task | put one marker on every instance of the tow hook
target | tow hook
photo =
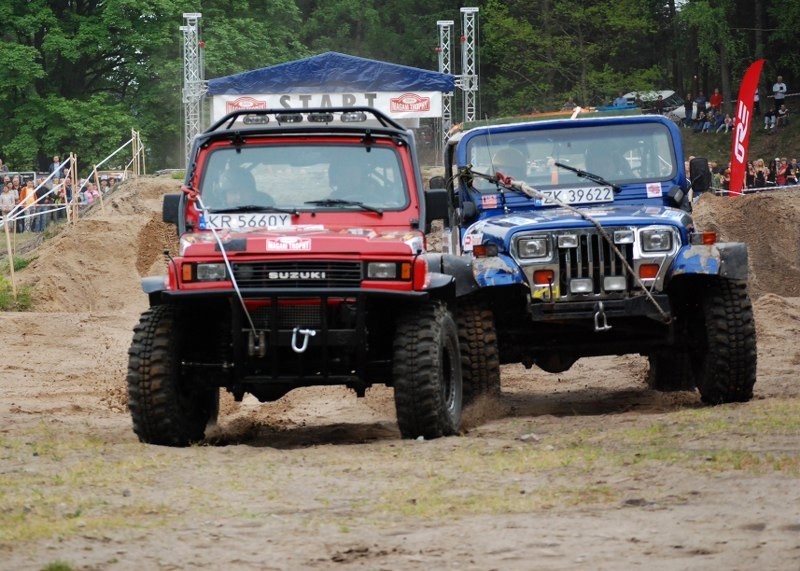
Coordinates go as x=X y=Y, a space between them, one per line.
x=306 y=333
x=600 y=316
x=257 y=344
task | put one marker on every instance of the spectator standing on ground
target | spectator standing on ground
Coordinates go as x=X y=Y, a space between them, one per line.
x=750 y=175
x=716 y=101
x=780 y=174
x=761 y=174
x=773 y=170
x=7 y=201
x=3 y=167
x=620 y=101
x=569 y=105
x=54 y=166
x=659 y=105
x=27 y=198
x=700 y=102
x=688 y=112
x=779 y=91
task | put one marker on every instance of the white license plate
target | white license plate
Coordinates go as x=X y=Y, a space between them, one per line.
x=580 y=195
x=222 y=221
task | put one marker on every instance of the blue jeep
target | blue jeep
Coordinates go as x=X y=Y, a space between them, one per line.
x=574 y=238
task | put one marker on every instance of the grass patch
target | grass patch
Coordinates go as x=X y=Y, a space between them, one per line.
x=8 y=302
x=58 y=566
x=178 y=175
x=20 y=263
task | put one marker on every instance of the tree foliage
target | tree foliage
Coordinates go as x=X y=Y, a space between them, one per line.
x=77 y=75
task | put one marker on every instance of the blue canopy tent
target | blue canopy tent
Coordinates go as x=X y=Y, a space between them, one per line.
x=334 y=79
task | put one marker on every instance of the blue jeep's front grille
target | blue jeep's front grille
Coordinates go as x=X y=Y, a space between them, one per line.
x=593 y=259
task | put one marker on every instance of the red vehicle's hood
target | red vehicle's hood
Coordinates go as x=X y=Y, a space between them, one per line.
x=305 y=239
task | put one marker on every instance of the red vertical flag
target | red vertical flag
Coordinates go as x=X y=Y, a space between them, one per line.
x=744 y=120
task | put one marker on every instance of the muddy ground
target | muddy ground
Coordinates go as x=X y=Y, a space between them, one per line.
x=586 y=469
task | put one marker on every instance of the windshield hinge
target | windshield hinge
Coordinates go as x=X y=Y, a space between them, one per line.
x=367 y=140
x=238 y=140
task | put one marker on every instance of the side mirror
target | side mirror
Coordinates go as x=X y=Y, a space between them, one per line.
x=679 y=199
x=437 y=182
x=170 y=211
x=699 y=175
x=436 y=205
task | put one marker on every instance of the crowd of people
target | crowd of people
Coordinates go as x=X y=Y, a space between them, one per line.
x=760 y=174
x=33 y=208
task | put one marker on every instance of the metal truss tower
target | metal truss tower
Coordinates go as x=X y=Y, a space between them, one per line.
x=445 y=33
x=469 y=67
x=194 y=86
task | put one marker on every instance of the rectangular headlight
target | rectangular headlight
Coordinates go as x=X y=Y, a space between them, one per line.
x=568 y=241
x=211 y=272
x=533 y=247
x=381 y=270
x=614 y=283
x=623 y=236
x=581 y=285
x=656 y=240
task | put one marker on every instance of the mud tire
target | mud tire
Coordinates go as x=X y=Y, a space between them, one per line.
x=427 y=373
x=165 y=407
x=724 y=359
x=670 y=372
x=480 y=357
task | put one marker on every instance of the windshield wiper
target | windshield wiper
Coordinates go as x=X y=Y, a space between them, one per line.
x=261 y=207
x=339 y=202
x=591 y=176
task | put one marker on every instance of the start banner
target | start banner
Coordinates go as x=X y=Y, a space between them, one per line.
x=398 y=105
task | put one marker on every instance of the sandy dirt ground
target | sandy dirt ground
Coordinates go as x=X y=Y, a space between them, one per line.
x=586 y=469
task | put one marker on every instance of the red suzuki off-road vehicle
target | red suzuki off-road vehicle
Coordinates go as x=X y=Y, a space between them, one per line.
x=302 y=262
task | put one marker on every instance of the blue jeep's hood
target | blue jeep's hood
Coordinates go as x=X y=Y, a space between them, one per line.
x=498 y=229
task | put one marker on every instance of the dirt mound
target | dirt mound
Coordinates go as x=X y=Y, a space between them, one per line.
x=96 y=264
x=767 y=223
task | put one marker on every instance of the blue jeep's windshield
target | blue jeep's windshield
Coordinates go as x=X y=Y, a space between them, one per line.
x=632 y=153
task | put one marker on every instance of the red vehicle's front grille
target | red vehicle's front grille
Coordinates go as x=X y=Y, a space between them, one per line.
x=311 y=274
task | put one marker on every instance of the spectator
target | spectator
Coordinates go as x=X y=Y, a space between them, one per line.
x=7 y=201
x=3 y=167
x=773 y=170
x=15 y=187
x=658 y=106
x=716 y=101
x=688 y=111
x=568 y=106
x=620 y=101
x=782 y=118
x=55 y=165
x=727 y=123
x=769 y=119
x=791 y=172
x=762 y=174
x=796 y=172
x=700 y=102
x=750 y=175
x=698 y=123
x=104 y=185
x=780 y=174
x=27 y=198
x=45 y=200
x=779 y=91
x=708 y=121
x=725 y=181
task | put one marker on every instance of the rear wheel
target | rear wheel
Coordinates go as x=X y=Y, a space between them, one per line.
x=427 y=373
x=724 y=354
x=166 y=407
x=480 y=357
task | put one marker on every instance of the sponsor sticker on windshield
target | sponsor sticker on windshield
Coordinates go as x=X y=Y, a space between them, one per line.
x=222 y=221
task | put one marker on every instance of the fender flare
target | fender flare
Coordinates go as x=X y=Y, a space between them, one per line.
x=727 y=260
x=153 y=286
x=459 y=268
